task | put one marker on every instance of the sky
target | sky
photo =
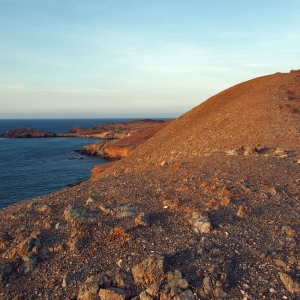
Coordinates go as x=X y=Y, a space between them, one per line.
x=137 y=58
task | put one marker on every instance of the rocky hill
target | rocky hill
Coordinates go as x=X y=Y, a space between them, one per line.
x=261 y=115
x=208 y=208
x=120 y=148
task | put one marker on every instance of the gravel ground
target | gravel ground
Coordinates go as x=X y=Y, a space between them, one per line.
x=252 y=204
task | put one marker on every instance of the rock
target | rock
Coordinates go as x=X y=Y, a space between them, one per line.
x=208 y=283
x=106 y=209
x=186 y=295
x=219 y=294
x=244 y=212
x=102 y=279
x=176 y=283
x=114 y=294
x=121 y=278
x=58 y=225
x=142 y=219
x=200 y=222
x=89 y=291
x=89 y=201
x=76 y=213
x=67 y=280
x=152 y=292
x=29 y=264
x=5 y=271
x=149 y=271
x=250 y=150
x=27 y=133
x=77 y=244
x=288 y=231
x=174 y=287
x=30 y=245
x=124 y=210
x=231 y=152
x=291 y=285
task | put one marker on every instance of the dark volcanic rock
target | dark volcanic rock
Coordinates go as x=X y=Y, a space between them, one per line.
x=27 y=133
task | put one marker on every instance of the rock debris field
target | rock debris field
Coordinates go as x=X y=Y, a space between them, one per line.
x=207 y=208
x=211 y=228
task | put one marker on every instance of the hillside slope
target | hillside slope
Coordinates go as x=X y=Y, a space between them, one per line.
x=263 y=112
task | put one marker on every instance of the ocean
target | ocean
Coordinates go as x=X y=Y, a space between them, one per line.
x=32 y=167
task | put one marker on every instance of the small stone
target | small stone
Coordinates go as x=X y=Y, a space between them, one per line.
x=201 y=223
x=183 y=283
x=288 y=231
x=231 y=152
x=280 y=263
x=207 y=285
x=272 y=290
x=244 y=212
x=105 y=208
x=120 y=263
x=291 y=285
x=29 y=264
x=58 y=225
x=67 y=279
x=142 y=219
x=219 y=293
x=272 y=191
x=89 y=201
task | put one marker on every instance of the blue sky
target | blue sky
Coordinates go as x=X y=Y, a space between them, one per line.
x=122 y=58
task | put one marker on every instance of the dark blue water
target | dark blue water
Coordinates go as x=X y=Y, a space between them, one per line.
x=33 y=167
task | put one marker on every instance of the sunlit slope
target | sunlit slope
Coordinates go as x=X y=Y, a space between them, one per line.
x=263 y=111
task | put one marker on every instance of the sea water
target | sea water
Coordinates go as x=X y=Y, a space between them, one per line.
x=30 y=167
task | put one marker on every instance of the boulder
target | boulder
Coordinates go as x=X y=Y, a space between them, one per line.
x=150 y=270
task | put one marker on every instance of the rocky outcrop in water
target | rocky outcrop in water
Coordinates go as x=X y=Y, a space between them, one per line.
x=28 y=133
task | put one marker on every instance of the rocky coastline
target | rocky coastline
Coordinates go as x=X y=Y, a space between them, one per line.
x=120 y=138
x=107 y=131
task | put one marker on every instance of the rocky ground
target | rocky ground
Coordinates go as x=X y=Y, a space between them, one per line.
x=207 y=208
x=217 y=227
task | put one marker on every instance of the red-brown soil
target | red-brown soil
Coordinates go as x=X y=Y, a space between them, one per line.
x=120 y=148
x=233 y=161
x=263 y=112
